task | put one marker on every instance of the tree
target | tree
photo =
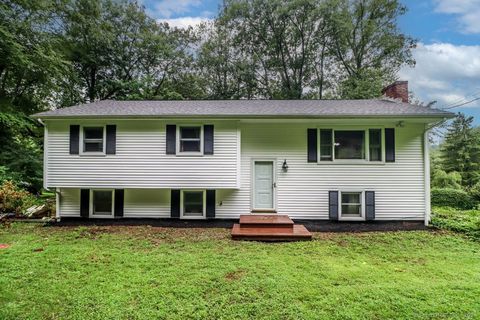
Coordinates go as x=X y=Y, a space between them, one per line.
x=282 y=40
x=368 y=45
x=460 y=151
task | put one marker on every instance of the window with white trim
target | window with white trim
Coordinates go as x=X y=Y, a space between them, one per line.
x=193 y=203
x=351 y=205
x=349 y=144
x=102 y=202
x=190 y=139
x=346 y=145
x=375 y=144
x=93 y=139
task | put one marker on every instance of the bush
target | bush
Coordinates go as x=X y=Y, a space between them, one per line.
x=454 y=198
x=14 y=199
x=467 y=222
x=441 y=179
x=475 y=192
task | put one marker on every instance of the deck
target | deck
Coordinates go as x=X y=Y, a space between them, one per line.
x=269 y=228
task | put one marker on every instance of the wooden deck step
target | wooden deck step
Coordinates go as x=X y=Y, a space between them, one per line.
x=296 y=233
x=266 y=221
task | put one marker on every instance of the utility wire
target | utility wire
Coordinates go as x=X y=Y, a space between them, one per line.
x=461 y=100
x=462 y=104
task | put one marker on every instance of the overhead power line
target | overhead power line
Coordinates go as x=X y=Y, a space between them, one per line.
x=461 y=104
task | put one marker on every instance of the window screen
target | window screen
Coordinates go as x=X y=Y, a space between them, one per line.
x=193 y=203
x=375 y=144
x=93 y=139
x=102 y=202
x=326 y=145
x=349 y=144
x=190 y=139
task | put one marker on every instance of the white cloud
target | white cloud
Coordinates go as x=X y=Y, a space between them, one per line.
x=167 y=8
x=467 y=12
x=444 y=72
x=184 y=22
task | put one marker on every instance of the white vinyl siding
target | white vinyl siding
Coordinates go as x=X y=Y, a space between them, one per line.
x=69 y=203
x=141 y=160
x=302 y=192
x=147 y=203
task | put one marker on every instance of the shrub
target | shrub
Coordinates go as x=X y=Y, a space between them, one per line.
x=14 y=199
x=441 y=179
x=467 y=222
x=475 y=192
x=447 y=197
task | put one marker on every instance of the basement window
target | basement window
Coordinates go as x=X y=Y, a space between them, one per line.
x=193 y=204
x=101 y=203
x=93 y=139
x=351 y=205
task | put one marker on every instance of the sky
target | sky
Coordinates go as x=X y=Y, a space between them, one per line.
x=447 y=55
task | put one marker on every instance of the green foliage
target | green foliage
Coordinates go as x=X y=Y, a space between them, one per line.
x=14 y=199
x=475 y=192
x=451 y=180
x=467 y=222
x=452 y=198
x=139 y=272
x=460 y=151
x=364 y=84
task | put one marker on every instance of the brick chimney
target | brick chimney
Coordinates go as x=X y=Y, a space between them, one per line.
x=397 y=90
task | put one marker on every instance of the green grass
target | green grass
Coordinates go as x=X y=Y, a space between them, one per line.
x=463 y=221
x=165 y=273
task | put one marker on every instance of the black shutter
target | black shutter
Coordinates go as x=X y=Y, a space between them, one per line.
x=370 y=205
x=111 y=146
x=389 y=144
x=84 y=203
x=119 y=198
x=333 y=205
x=171 y=138
x=175 y=204
x=312 y=145
x=208 y=139
x=74 y=139
x=210 y=204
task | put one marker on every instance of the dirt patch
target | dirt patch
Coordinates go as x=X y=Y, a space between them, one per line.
x=38 y=250
x=4 y=246
x=235 y=275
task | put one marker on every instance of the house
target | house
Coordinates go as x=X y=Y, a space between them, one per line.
x=347 y=160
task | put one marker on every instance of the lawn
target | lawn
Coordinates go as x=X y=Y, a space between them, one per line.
x=146 y=272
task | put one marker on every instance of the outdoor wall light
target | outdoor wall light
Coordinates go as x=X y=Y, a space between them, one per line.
x=285 y=166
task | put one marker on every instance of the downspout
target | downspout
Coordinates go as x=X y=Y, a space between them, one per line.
x=426 y=171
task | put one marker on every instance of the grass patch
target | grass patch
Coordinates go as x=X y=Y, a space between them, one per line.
x=144 y=272
x=463 y=221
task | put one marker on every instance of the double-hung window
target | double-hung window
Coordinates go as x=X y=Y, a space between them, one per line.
x=93 y=139
x=351 y=206
x=190 y=139
x=350 y=145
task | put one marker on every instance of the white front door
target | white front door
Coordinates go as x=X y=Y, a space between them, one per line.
x=263 y=196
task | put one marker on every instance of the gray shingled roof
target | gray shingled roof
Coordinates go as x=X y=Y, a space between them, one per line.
x=245 y=109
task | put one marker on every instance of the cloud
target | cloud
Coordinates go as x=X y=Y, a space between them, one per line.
x=168 y=8
x=184 y=22
x=445 y=72
x=467 y=12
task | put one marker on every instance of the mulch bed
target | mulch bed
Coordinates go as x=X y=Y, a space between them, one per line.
x=311 y=225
